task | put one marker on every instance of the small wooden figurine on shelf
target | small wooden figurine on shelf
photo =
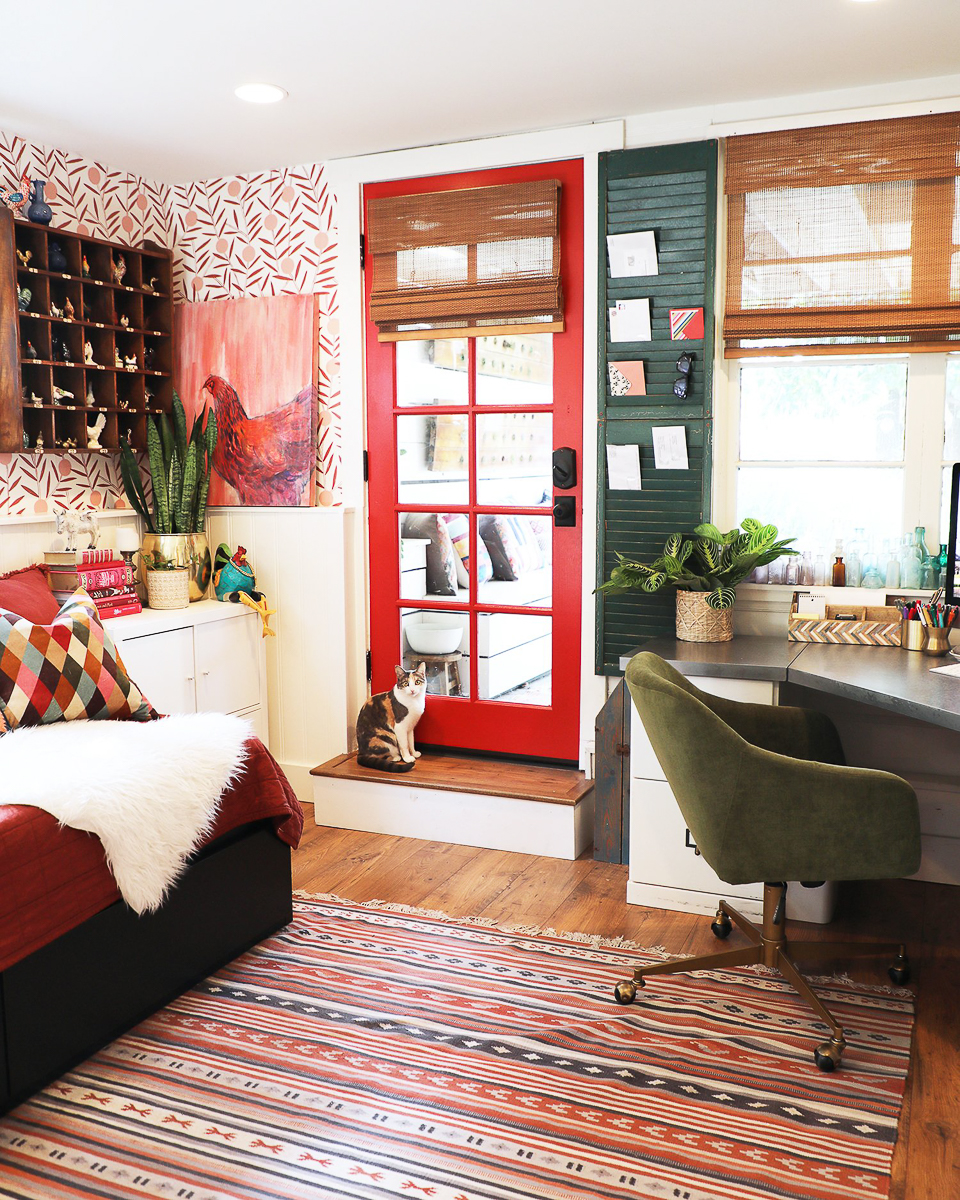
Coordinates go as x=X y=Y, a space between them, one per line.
x=68 y=310
x=88 y=354
x=24 y=296
x=94 y=431
x=152 y=285
x=89 y=399
x=124 y=321
x=119 y=268
x=56 y=312
x=24 y=257
x=85 y=267
x=29 y=351
x=39 y=442
x=130 y=362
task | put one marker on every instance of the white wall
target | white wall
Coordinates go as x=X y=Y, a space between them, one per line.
x=297 y=555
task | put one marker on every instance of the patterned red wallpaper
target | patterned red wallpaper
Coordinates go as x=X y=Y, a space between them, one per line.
x=262 y=234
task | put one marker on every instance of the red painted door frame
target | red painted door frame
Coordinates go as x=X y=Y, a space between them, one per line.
x=474 y=724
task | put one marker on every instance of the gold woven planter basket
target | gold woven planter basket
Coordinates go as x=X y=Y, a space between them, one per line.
x=168 y=589
x=698 y=622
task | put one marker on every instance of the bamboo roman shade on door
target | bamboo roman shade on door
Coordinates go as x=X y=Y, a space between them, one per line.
x=844 y=234
x=473 y=260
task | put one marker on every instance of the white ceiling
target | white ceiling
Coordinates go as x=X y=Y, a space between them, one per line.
x=149 y=86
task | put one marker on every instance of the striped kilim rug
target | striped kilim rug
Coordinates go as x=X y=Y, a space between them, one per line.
x=366 y=1052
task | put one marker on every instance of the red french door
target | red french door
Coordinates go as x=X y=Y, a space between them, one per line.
x=472 y=570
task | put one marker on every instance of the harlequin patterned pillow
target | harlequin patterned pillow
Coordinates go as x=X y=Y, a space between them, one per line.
x=66 y=671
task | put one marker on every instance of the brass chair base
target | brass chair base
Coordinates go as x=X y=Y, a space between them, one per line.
x=772 y=948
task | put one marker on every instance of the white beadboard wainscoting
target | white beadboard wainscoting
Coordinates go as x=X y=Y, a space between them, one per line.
x=297 y=555
x=23 y=540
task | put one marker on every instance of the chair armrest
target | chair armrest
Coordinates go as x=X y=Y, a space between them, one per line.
x=792 y=819
x=794 y=732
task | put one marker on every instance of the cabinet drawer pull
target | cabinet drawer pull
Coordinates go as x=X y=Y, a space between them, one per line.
x=690 y=843
x=204 y=672
x=189 y=679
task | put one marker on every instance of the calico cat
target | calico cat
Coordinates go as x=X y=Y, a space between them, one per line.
x=386 y=723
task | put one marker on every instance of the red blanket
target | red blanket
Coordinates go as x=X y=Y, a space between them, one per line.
x=53 y=879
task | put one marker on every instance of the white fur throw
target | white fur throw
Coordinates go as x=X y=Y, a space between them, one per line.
x=148 y=790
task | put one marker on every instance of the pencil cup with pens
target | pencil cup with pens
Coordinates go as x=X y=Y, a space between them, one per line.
x=927 y=627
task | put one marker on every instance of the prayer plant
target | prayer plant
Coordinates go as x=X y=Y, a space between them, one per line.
x=710 y=561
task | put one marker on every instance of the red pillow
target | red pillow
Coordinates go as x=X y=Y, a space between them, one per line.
x=27 y=593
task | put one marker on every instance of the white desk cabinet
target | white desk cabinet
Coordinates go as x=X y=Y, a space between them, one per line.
x=665 y=869
x=205 y=658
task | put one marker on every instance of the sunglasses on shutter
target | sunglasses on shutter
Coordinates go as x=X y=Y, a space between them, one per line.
x=681 y=385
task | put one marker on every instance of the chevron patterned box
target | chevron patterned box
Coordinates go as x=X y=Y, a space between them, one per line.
x=851 y=625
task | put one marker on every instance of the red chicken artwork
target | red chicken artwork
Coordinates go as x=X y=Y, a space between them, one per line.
x=267 y=459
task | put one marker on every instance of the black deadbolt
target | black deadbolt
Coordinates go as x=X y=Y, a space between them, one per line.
x=564 y=468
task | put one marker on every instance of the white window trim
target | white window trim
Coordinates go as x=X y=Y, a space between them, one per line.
x=923 y=459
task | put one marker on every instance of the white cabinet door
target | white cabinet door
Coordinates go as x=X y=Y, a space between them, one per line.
x=161 y=665
x=662 y=850
x=228 y=664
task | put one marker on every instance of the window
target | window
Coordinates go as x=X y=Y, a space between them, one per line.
x=822 y=447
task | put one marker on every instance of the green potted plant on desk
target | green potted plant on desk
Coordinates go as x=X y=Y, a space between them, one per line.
x=705 y=570
x=180 y=469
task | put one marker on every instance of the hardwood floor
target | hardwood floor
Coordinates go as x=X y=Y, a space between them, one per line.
x=588 y=896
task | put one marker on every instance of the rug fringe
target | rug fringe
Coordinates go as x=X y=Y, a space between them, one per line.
x=595 y=940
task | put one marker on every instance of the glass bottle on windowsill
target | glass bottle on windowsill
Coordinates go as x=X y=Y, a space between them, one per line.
x=791 y=572
x=806 y=568
x=894 y=569
x=839 y=571
x=819 y=571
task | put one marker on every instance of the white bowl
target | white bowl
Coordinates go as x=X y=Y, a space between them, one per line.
x=427 y=638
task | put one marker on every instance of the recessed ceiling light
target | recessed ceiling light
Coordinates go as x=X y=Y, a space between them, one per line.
x=260 y=93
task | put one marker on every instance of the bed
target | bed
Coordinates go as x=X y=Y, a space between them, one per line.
x=78 y=967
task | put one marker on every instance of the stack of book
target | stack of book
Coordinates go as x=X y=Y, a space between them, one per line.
x=107 y=578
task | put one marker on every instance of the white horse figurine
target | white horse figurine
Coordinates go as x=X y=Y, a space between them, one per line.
x=73 y=523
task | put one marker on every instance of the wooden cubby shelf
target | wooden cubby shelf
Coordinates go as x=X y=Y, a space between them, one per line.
x=128 y=319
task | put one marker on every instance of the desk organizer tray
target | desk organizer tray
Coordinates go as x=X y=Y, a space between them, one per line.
x=847 y=625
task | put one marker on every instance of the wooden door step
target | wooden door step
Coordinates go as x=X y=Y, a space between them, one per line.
x=495 y=803
x=466 y=773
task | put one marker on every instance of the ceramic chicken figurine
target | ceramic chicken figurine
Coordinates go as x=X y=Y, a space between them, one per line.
x=68 y=309
x=94 y=431
x=88 y=352
x=16 y=198
x=56 y=312
x=234 y=580
x=124 y=321
x=30 y=351
x=89 y=399
x=119 y=269
x=130 y=362
x=85 y=267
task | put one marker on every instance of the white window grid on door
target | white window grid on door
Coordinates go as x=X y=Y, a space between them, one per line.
x=923 y=456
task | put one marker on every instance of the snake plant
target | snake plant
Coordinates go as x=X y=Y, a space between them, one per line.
x=710 y=561
x=180 y=469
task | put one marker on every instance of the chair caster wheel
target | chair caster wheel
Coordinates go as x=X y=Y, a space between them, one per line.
x=626 y=990
x=721 y=925
x=829 y=1055
x=899 y=972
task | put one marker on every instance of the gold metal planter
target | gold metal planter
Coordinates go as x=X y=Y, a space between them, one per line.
x=184 y=550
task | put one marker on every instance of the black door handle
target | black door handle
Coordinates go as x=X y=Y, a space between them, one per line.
x=564 y=468
x=564 y=511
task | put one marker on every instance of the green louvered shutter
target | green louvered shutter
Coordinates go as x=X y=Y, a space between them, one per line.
x=673 y=191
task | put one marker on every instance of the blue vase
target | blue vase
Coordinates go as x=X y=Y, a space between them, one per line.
x=56 y=259
x=39 y=211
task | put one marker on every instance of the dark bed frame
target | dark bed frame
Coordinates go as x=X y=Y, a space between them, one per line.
x=66 y=1000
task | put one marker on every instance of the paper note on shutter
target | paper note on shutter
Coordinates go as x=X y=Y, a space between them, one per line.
x=632 y=254
x=623 y=469
x=670 y=448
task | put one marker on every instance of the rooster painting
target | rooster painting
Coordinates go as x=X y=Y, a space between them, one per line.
x=268 y=459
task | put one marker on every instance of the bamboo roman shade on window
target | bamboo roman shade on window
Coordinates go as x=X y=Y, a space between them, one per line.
x=472 y=260
x=844 y=234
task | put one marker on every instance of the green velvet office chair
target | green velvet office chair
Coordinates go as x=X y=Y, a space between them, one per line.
x=767 y=798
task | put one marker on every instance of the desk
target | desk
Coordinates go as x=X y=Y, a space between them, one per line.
x=892 y=711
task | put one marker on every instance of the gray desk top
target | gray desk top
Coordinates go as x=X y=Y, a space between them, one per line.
x=900 y=681
x=741 y=658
